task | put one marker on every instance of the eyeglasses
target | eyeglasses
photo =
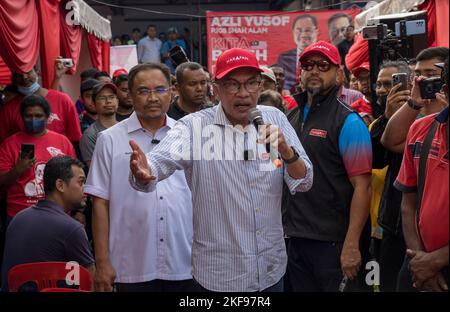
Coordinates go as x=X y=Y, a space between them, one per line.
x=146 y=92
x=234 y=86
x=308 y=65
x=104 y=98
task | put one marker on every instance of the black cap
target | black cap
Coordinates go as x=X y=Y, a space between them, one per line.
x=88 y=84
x=102 y=85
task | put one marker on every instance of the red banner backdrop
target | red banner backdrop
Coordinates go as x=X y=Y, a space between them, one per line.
x=275 y=37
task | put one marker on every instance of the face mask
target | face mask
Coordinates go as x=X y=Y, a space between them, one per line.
x=29 y=90
x=35 y=126
x=382 y=99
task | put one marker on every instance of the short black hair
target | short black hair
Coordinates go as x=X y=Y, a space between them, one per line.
x=119 y=79
x=339 y=15
x=440 y=53
x=136 y=29
x=152 y=25
x=88 y=73
x=303 y=16
x=101 y=74
x=59 y=167
x=32 y=101
x=147 y=66
x=179 y=71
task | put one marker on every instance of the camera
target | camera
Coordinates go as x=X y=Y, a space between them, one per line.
x=67 y=62
x=178 y=56
x=429 y=87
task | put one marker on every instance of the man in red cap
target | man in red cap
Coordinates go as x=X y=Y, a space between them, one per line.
x=324 y=225
x=362 y=105
x=238 y=242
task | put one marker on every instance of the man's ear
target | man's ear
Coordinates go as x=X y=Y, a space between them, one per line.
x=60 y=185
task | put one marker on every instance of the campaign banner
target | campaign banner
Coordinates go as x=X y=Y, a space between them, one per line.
x=275 y=37
x=123 y=56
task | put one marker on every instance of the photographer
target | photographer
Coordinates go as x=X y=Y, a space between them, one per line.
x=397 y=128
x=391 y=248
x=423 y=179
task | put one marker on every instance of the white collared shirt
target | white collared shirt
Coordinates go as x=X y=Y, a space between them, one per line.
x=238 y=238
x=150 y=234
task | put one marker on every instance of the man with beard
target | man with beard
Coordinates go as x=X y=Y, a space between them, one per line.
x=105 y=99
x=363 y=105
x=192 y=87
x=125 y=108
x=325 y=224
x=304 y=31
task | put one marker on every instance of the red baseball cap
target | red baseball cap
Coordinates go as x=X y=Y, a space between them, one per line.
x=324 y=48
x=233 y=59
x=364 y=66
x=120 y=71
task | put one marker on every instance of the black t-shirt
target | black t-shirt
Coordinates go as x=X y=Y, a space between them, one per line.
x=175 y=112
x=120 y=117
x=44 y=233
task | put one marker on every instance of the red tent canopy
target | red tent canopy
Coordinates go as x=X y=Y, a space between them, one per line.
x=32 y=28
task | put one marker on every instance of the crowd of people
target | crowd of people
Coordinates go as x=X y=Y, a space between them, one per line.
x=166 y=178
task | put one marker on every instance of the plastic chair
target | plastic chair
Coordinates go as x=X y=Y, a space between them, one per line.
x=45 y=275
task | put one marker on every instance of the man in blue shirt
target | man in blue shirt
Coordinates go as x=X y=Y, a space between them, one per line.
x=172 y=41
x=46 y=232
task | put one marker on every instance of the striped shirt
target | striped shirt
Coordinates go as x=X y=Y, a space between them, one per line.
x=238 y=235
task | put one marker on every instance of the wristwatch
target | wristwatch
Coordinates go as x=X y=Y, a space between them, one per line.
x=293 y=158
x=413 y=104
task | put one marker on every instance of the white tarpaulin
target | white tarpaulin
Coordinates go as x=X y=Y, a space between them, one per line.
x=124 y=56
x=384 y=8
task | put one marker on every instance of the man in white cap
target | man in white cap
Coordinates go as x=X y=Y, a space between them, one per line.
x=238 y=235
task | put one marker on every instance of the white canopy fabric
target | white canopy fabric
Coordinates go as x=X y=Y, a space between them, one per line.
x=89 y=19
x=384 y=8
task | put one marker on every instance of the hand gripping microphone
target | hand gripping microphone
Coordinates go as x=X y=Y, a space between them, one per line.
x=255 y=117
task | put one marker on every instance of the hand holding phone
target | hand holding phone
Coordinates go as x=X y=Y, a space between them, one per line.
x=400 y=78
x=26 y=158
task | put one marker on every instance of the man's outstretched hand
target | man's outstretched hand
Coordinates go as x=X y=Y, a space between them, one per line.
x=139 y=166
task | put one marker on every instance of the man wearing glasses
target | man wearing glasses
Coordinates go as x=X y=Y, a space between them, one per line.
x=325 y=223
x=238 y=240
x=142 y=240
x=106 y=104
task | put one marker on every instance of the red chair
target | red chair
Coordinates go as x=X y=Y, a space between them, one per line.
x=45 y=275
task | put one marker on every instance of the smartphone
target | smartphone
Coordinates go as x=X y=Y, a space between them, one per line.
x=429 y=87
x=27 y=150
x=67 y=62
x=401 y=78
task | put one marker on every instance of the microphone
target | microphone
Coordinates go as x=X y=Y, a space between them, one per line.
x=155 y=141
x=255 y=117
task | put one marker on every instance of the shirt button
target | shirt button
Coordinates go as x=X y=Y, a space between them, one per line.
x=161 y=240
x=161 y=218
x=161 y=197
x=258 y=232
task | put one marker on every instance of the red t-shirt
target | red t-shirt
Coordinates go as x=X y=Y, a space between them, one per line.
x=434 y=224
x=63 y=117
x=362 y=106
x=290 y=102
x=29 y=188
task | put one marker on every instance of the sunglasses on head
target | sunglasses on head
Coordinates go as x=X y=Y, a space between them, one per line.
x=308 y=65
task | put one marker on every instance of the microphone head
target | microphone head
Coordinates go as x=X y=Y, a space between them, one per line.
x=254 y=114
